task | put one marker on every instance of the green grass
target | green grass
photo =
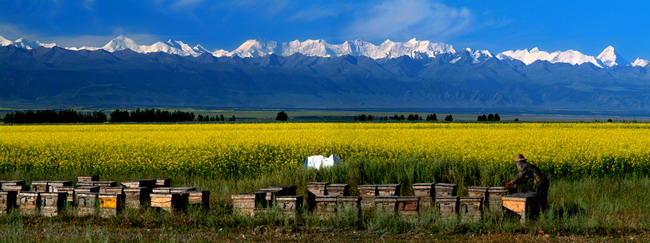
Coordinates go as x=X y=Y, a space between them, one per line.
x=584 y=206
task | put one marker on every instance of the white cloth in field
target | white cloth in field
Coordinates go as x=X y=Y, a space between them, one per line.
x=319 y=161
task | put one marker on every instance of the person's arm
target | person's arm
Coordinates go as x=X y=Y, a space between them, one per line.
x=522 y=176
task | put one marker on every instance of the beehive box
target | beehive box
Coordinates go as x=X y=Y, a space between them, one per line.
x=52 y=203
x=408 y=205
x=471 y=207
x=110 y=205
x=39 y=186
x=87 y=178
x=170 y=202
x=338 y=189
x=12 y=183
x=29 y=203
x=286 y=190
x=52 y=185
x=246 y=203
x=448 y=206
x=426 y=193
x=388 y=190
x=136 y=197
x=87 y=203
x=523 y=204
x=325 y=205
x=445 y=190
x=7 y=201
x=270 y=195
x=114 y=190
x=163 y=182
x=69 y=190
x=172 y=189
x=317 y=188
x=199 y=198
x=479 y=191
x=495 y=194
x=348 y=202
x=423 y=190
x=289 y=205
x=139 y=183
x=368 y=194
x=15 y=188
x=103 y=185
x=387 y=204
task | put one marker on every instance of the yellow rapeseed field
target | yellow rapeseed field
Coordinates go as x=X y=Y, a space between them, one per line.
x=223 y=149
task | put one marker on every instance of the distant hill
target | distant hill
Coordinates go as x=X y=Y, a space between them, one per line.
x=66 y=77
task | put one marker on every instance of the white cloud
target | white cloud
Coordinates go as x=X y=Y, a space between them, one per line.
x=405 y=19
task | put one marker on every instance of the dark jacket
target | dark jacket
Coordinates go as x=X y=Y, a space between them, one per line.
x=528 y=171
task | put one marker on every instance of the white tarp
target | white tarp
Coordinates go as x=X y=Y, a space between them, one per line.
x=319 y=161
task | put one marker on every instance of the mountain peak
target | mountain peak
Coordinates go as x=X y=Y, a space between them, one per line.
x=640 y=63
x=4 y=42
x=609 y=57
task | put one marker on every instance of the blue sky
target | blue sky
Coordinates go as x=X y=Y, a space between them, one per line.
x=496 y=25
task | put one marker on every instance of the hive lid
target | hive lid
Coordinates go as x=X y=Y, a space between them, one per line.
x=338 y=185
x=446 y=185
x=318 y=183
x=521 y=195
x=477 y=188
x=367 y=186
x=471 y=198
x=423 y=184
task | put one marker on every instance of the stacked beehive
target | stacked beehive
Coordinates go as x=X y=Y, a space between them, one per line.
x=282 y=197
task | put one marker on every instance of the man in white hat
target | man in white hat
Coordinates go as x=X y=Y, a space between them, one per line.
x=528 y=171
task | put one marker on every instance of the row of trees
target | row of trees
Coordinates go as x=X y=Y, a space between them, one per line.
x=489 y=117
x=50 y=116
x=151 y=115
x=410 y=117
x=215 y=118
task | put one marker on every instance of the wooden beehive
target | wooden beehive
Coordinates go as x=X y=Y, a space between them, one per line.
x=87 y=178
x=270 y=195
x=423 y=189
x=479 y=191
x=426 y=193
x=114 y=190
x=169 y=202
x=325 y=205
x=103 y=185
x=368 y=194
x=7 y=201
x=408 y=205
x=52 y=203
x=29 y=203
x=448 y=206
x=445 y=190
x=523 y=204
x=289 y=205
x=52 y=185
x=163 y=182
x=172 y=189
x=69 y=190
x=471 y=207
x=317 y=188
x=110 y=205
x=39 y=186
x=349 y=202
x=15 y=188
x=338 y=189
x=140 y=183
x=136 y=197
x=495 y=194
x=87 y=203
x=286 y=190
x=246 y=203
x=388 y=190
x=199 y=198
x=12 y=182
x=387 y=204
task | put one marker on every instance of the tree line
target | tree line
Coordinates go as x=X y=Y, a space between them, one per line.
x=489 y=117
x=50 y=116
x=410 y=117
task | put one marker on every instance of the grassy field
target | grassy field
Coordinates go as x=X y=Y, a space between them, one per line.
x=599 y=176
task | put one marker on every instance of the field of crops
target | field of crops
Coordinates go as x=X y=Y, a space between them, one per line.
x=217 y=150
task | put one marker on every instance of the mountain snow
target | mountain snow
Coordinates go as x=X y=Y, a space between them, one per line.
x=640 y=63
x=320 y=48
x=610 y=58
x=527 y=57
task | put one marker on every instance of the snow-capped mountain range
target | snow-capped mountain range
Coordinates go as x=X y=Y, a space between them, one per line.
x=388 y=49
